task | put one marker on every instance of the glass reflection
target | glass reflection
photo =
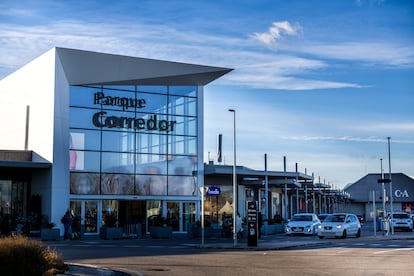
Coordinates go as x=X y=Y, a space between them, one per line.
x=117 y=184
x=150 y=185
x=84 y=183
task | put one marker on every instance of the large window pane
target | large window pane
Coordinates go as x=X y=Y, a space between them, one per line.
x=182 y=106
x=118 y=100
x=182 y=145
x=83 y=139
x=87 y=161
x=117 y=184
x=84 y=183
x=151 y=164
x=150 y=185
x=82 y=117
x=154 y=103
x=118 y=162
x=182 y=185
x=152 y=89
x=184 y=125
x=183 y=90
x=182 y=165
x=118 y=141
x=83 y=96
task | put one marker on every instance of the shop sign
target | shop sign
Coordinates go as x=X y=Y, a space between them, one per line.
x=213 y=191
x=101 y=119
x=399 y=193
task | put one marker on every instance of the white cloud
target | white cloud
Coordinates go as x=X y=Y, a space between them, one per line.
x=276 y=32
x=385 y=53
x=255 y=69
x=346 y=138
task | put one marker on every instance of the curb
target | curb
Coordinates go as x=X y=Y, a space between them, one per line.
x=76 y=269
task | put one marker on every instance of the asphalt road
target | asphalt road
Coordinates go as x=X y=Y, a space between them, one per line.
x=369 y=255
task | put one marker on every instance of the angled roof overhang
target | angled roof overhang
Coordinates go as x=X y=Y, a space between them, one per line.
x=92 y=68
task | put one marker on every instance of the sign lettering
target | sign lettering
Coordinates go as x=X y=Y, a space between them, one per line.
x=101 y=119
x=399 y=193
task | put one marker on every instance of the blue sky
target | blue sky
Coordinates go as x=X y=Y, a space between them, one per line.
x=320 y=82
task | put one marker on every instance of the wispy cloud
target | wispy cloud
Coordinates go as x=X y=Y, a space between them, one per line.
x=385 y=53
x=277 y=31
x=370 y=139
x=255 y=68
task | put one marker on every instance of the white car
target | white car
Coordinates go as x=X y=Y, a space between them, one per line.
x=306 y=223
x=401 y=220
x=340 y=225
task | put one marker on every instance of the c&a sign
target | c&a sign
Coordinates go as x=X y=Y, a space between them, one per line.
x=400 y=193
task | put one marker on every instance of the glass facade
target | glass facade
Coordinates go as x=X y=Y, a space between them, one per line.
x=133 y=140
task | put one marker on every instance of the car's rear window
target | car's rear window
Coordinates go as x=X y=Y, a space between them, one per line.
x=335 y=218
x=302 y=218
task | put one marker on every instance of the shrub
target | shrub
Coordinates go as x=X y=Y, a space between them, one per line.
x=21 y=256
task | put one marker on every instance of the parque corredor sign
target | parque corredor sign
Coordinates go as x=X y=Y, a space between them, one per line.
x=101 y=119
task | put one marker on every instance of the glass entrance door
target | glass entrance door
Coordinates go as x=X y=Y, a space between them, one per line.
x=173 y=215
x=91 y=217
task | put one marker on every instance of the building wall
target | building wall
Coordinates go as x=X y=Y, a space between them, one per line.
x=33 y=85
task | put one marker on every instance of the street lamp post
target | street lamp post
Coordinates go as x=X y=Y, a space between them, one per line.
x=234 y=180
x=391 y=192
x=384 y=212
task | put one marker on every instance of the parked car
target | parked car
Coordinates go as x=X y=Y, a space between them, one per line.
x=306 y=223
x=361 y=219
x=340 y=225
x=322 y=217
x=401 y=220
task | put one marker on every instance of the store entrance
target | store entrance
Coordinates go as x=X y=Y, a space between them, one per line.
x=90 y=215
x=132 y=213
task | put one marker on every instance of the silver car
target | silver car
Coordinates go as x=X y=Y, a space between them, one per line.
x=401 y=220
x=306 y=223
x=340 y=225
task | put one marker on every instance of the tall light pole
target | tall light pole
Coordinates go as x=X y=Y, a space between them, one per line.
x=266 y=215
x=389 y=176
x=384 y=212
x=234 y=180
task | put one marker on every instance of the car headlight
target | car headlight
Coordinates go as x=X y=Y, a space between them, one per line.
x=319 y=226
x=339 y=226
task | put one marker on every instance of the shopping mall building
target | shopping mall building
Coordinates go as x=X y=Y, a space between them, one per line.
x=109 y=136
x=103 y=134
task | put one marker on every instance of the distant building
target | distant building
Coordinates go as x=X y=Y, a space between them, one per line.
x=362 y=196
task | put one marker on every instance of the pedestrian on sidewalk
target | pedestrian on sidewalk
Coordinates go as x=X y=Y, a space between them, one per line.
x=67 y=223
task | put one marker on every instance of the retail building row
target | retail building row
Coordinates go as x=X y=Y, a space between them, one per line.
x=109 y=136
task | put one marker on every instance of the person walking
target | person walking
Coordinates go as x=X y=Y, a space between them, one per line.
x=239 y=226
x=67 y=223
